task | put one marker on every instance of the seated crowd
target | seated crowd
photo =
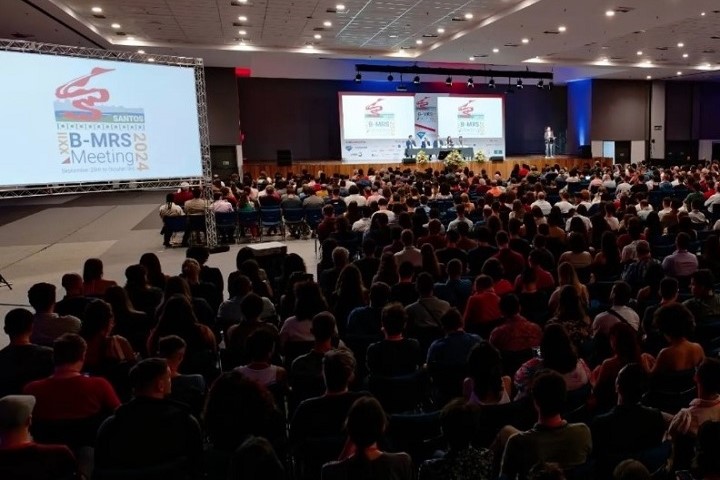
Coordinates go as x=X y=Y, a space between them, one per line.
x=552 y=325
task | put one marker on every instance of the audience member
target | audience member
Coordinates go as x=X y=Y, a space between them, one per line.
x=395 y=355
x=48 y=325
x=22 y=361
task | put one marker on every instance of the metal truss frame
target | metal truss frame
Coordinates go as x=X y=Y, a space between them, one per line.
x=134 y=57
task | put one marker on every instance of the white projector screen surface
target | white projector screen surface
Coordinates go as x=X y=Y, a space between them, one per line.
x=71 y=120
x=377 y=116
x=470 y=117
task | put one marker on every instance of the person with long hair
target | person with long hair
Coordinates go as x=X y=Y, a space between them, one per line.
x=237 y=408
x=606 y=264
x=348 y=295
x=567 y=276
x=494 y=269
x=293 y=270
x=361 y=458
x=626 y=349
x=251 y=269
x=142 y=295
x=153 y=269
x=94 y=285
x=577 y=254
x=103 y=348
x=557 y=353
x=201 y=308
x=129 y=322
x=178 y=318
x=309 y=301
x=388 y=271
x=485 y=383
x=572 y=314
x=430 y=262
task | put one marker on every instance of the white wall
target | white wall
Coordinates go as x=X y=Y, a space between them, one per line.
x=657 y=119
x=705 y=149
x=637 y=151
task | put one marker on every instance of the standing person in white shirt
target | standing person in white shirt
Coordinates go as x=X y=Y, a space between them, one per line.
x=543 y=204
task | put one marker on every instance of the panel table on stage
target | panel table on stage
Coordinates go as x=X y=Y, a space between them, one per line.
x=467 y=152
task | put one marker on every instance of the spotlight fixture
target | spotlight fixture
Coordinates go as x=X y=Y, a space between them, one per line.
x=448 y=81
x=390 y=77
x=509 y=87
x=540 y=83
x=491 y=83
x=141 y=52
x=519 y=84
x=416 y=80
x=550 y=85
x=649 y=77
x=358 y=77
x=471 y=83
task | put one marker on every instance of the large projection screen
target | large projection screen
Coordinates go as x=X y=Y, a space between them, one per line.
x=72 y=120
x=373 y=126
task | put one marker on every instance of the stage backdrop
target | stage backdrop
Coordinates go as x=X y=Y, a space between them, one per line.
x=377 y=128
x=303 y=115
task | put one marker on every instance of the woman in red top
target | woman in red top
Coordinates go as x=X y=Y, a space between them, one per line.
x=93 y=283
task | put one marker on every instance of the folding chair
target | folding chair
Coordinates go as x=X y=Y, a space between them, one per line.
x=174 y=224
x=249 y=220
x=313 y=217
x=225 y=224
x=294 y=218
x=271 y=218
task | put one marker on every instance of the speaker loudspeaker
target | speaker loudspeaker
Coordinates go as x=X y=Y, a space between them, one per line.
x=497 y=159
x=585 y=151
x=284 y=158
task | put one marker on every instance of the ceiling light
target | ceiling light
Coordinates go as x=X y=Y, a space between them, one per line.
x=679 y=73
x=491 y=83
x=242 y=18
x=441 y=30
x=327 y=23
x=358 y=77
x=116 y=26
x=96 y=9
x=707 y=65
x=242 y=1
x=317 y=36
x=418 y=41
x=639 y=52
x=610 y=13
x=540 y=83
x=519 y=84
x=702 y=14
x=141 y=52
x=392 y=36
x=390 y=77
x=468 y=16
x=525 y=40
x=448 y=81
x=649 y=77
x=151 y=60
x=310 y=46
x=416 y=80
x=130 y=39
x=496 y=50
x=242 y=32
x=340 y=7
x=681 y=45
x=471 y=83
x=685 y=55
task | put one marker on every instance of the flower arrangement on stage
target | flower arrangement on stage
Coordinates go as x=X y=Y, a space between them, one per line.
x=454 y=160
x=422 y=158
x=480 y=157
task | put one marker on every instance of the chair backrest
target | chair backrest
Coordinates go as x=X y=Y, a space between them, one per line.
x=226 y=219
x=248 y=218
x=177 y=470
x=270 y=215
x=294 y=215
x=175 y=224
x=313 y=217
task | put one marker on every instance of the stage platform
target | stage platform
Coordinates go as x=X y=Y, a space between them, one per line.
x=331 y=167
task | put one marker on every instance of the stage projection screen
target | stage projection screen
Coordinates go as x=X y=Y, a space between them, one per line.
x=373 y=126
x=77 y=120
x=479 y=120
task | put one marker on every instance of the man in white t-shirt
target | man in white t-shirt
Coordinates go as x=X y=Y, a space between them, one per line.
x=543 y=204
x=619 y=312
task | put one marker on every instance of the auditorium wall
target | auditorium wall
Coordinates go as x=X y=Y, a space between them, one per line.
x=303 y=115
x=222 y=106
